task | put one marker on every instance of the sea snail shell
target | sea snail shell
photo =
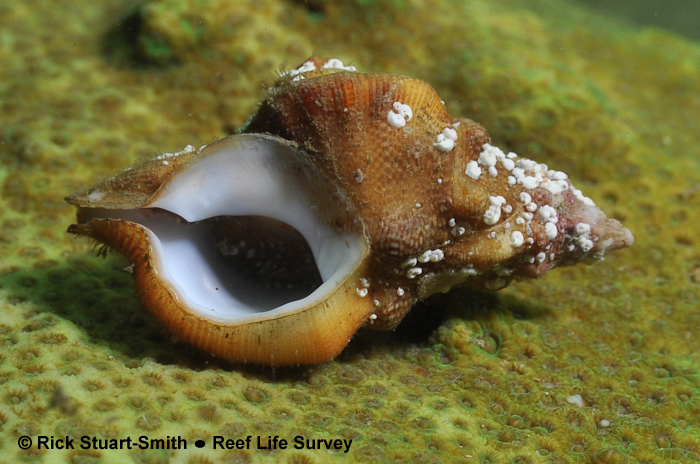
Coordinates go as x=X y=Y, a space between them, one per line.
x=349 y=197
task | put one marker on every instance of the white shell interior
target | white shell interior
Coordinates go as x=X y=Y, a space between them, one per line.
x=248 y=176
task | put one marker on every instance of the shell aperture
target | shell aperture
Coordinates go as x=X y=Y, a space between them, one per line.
x=232 y=191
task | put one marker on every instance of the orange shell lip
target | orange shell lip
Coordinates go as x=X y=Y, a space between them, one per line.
x=183 y=280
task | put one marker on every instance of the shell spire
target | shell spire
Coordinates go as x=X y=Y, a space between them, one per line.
x=442 y=207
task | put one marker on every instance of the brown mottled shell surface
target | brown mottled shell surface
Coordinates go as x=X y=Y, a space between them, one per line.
x=340 y=120
x=400 y=183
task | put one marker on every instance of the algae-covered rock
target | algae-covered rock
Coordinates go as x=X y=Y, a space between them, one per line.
x=586 y=365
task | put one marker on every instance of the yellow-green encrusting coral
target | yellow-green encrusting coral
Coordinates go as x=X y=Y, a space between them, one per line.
x=594 y=364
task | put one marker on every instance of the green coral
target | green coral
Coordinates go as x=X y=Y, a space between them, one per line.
x=467 y=377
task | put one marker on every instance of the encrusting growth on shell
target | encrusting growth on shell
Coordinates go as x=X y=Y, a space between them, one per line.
x=400 y=169
x=424 y=202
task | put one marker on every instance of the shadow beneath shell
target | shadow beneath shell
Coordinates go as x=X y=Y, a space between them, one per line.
x=97 y=295
x=419 y=329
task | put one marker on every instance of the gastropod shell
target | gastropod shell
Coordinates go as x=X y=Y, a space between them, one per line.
x=347 y=198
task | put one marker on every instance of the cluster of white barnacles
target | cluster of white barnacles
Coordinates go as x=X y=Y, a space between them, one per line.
x=334 y=63
x=414 y=271
x=400 y=115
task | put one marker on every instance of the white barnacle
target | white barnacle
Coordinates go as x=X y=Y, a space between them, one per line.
x=186 y=150
x=432 y=256
x=586 y=245
x=395 y=120
x=473 y=170
x=446 y=140
x=530 y=182
x=551 y=230
x=487 y=158
x=556 y=186
x=548 y=214
x=469 y=270
x=362 y=292
x=526 y=164
x=409 y=262
x=508 y=163
x=436 y=255
x=526 y=198
x=518 y=173
x=95 y=196
x=493 y=214
x=400 y=291
x=557 y=175
x=582 y=228
x=450 y=134
x=335 y=63
x=414 y=272
x=582 y=237
x=517 y=239
x=579 y=196
x=306 y=67
x=403 y=114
